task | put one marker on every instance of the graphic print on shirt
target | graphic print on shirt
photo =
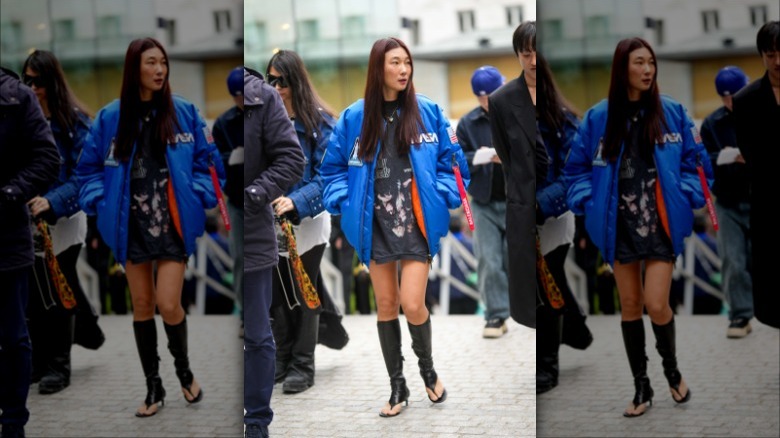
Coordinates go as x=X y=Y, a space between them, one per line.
x=637 y=199
x=393 y=204
x=149 y=194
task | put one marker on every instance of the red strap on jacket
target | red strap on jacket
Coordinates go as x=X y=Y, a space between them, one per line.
x=707 y=197
x=220 y=199
x=462 y=189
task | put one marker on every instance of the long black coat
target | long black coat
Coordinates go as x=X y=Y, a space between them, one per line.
x=513 y=124
x=29 y=164
x=756 y=113
x=273 y=162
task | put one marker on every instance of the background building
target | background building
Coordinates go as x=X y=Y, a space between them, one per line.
x=203 y=38
x=692 y=39
x=448 y=40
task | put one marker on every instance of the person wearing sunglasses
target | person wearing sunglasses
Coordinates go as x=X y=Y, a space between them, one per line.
x=51 y=323
x=296 y=326
x=389 y=171
x=145 y=172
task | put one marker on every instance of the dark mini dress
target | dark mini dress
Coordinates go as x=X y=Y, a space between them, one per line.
x=640 y=233
x=396 y=235
x=153 y=235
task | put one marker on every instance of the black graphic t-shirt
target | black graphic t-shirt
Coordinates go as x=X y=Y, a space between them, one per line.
x=640 y=233
x=153 y=235
x=396 y=235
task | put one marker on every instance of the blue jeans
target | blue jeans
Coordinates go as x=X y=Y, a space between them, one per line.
x=237 y=252
x=735 y=249
x=491 y=251
x=15 y=347
x=259 y=348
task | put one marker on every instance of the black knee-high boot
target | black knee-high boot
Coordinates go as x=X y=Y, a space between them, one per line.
x=666 y=346
x=634 y=341
x=423 y=347
x=300 y=372
x=548 y=342
x=146 y=341
x=57 y=376
x=390 y=341
x=177 y=345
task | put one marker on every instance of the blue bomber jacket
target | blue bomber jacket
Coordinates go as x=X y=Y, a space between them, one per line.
x=593 y=184
x=104 y=181
x=349 y=181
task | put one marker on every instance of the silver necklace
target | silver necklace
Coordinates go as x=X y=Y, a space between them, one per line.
x=391 y=117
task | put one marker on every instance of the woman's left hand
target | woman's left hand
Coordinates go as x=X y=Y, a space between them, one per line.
x=282 y=205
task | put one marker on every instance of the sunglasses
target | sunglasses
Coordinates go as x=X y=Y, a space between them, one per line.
x=33 y=80
x=277 y=80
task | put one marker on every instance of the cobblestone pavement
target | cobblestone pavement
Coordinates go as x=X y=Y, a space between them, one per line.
x=490 y=384
x=735 y=384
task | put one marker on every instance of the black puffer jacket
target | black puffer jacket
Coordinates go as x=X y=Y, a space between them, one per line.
x=29 y=164
x=273 y=163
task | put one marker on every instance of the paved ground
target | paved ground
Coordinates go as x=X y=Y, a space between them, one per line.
x=490 y=385
x=735 y=384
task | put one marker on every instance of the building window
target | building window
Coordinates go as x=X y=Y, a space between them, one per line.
x=757 y=15
x=659 y=32
x=222 y=20
x=710 y=20
x=170 y=31
x=11 y=36
x=414 y=29
x=353 y=26
x=552 y=30
x=109 y=26
x=64 y=30
x=308 y=30
x=255 y=36
x=514 y=15
x=466 y=21
x=597 y=26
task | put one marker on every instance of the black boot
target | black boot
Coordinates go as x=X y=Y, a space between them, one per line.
x=666 y=346
x=634 y=341
x=548 y=342
x=300 y=372
x=423 y=348
x=146 y=342
x=177 y=345
x=57 y=376
x=390 y=341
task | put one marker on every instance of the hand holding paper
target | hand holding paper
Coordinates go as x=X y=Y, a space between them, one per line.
x=727 y=155
x=483 y=155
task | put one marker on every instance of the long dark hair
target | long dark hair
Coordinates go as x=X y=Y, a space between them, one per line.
x=409 y=124
x=63 y=105
x=524 y=37
x=164 y=123
x=551 y=105
x=650 y=101
x=306 y=103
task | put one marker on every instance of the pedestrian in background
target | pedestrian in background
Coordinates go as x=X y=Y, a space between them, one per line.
x=274 y=162
x=756 y=112
x=555 y=224
x=51 y=321
x=515 y=143
x=229 y=138
x=389 y=172
x=732 y=192
x=488 y=203
x=29 y=165
x=144 y=172
x=295 y=325
x=633 y=174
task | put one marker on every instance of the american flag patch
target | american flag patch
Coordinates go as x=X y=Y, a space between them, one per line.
x=695 y=133
x=207 y=134
x=451 y=133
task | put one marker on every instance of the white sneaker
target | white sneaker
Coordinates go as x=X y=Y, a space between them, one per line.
x=494 y=328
